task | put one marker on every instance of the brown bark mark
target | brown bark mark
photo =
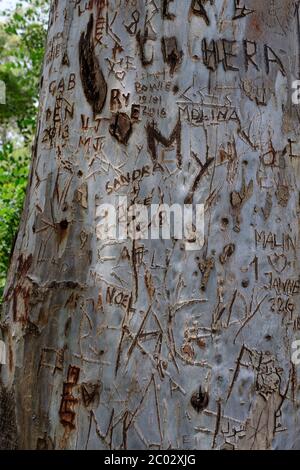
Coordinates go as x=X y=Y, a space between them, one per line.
x=228 y=251
x=166 y=13
x=142 y=39
x=204 y=167
x=92 y=78
x=121 y=128
x=200 y=400
x=172 y=55
x=198 y=9
x=241 y=11
x=66 y=412
x=153 y=135
x=91 y=394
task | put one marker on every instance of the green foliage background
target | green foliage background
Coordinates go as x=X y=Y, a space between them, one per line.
x=22 y=41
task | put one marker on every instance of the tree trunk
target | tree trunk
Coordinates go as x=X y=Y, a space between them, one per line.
x=145 y=344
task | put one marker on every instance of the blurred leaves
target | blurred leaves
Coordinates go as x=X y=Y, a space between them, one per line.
x=22 y=40
x=13 y=182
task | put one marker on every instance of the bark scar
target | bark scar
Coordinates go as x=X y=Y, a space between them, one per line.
x=92 y=78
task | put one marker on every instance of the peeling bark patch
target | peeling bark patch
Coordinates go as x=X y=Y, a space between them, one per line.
x=20 y=304
x=172 y=55
x=24 y=265
x=121 y=128
x=83 y=195
x=92 y=78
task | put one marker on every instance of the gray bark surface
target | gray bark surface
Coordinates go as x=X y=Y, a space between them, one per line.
x=144 y=344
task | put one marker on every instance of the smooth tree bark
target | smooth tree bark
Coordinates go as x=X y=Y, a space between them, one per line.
x=146 y=344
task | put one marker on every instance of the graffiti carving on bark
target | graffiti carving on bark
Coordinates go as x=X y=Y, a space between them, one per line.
x=128 y=339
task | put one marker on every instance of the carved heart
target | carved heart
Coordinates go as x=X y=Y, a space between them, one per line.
x=278 y=262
